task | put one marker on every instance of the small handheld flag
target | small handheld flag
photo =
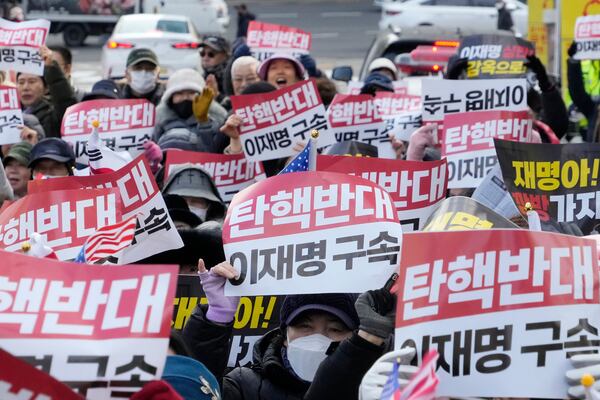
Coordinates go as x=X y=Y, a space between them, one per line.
x=107 y=241
x=103 y=160
x=306 y=160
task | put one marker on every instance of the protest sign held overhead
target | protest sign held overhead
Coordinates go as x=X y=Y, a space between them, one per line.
x=560 y=181
x=468 y=144
x=10 y=115
x=230 y=172
x=506 y=306
x=20 y=44
x=265 y=39
x=402 y=112
x=99 y=330
x=415 y=187
x=587 y=37
x=125 y=125
x=141 y=198
x=458 y=213
x=275 y=121
x=65 y=217
x=311 y=232
x=356 y=117
x=495 y=56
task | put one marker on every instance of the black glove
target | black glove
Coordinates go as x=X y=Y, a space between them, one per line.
x=376 y=310
x=456 y=66
x=572 y=49
x=310 y=65
x=535 y=65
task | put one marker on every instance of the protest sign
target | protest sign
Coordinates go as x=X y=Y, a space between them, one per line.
x=65 y=218
x=402 y=113
x=125 y=125
x=493 y=194
x=414 y=186
x=495 y=56
x=443 y=96
x=19 y=380
x=155 y=232
x=560 y=181
x=10 y=115
x=499 y=306
x=20 y=44
x=230 y=172
x=274 y=121
x=458 y=213
x=404 y=87
x=587 y=37
x=467 y=142
x=266 y=39
x=101 y=331
x=356 y=117
x=255 y=316
x=311 y=232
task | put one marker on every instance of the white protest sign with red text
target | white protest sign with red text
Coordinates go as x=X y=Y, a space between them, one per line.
x=402 y=112
x=10 y=115
x=587 y=37
x=99 y=330
x=415 y=187
x=311 y=232
x=266 y=39
x=65 y=218
x=20 y=44
x=125 y=125
x=230 y=172
x=275 y=121
x=500 y=306
x=141 y=197
x=468 y=142
x=356 y=117
x=17 y=378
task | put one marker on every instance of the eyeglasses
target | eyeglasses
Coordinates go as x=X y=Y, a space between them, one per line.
x=208 y=54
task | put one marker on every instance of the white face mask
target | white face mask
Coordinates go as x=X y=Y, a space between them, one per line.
x=142 y=81
x=306 y=353
x=200 y=212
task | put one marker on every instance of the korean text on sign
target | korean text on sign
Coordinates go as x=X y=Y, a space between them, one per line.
x=274 y=122
x=335 y=233
x=125 y=125
x=266 y=39
x=10 y=115
x=402 y=112
x=20 y=44
x=509 y=305
x=468 y=142
x=100 y=331
x=587 y=37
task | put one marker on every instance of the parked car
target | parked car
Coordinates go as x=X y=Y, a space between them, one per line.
x=172 y=37
x=480 y=16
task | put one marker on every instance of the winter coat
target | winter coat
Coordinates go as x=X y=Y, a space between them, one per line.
x=153 y=97
x=505 y=21
x=554 y=112
x=243 y=20
x=584 y=102
x=338 y=377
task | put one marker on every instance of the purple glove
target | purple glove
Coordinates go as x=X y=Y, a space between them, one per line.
x=221 y=309
x=419 y=141
x=153 y=154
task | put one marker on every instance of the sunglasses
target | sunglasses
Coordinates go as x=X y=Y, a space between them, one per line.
x=208 y=54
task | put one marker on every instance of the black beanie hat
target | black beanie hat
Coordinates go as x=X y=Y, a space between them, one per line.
x=259 y=87
x=339 y=304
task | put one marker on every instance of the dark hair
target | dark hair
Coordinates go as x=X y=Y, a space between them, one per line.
x=327 y=89
x=178 y=345
x=65 y=53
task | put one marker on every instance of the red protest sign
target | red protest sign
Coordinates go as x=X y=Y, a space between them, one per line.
x=499 y=304
x=230 y=172
x=20 y=43
x=99 y=330
x=265 y=39
x=65 y=217
x=10 y=115
x=401 y=111
x=468 y=142
x=125 y=125
x=140 y=196
x=415 y=187
x=275 y=121
x=333 y=233
x=17 y=378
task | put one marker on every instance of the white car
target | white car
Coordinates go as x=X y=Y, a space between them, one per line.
x=208 y=16
x=476 y=15
x=171 y=37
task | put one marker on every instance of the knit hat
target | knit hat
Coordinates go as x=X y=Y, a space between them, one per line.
x=383 y=63
x=19 y=151
x=377 y=81
x=190 y=378
x=183 y=79
x=339 y=304
x=263 y=68
x=259 y=87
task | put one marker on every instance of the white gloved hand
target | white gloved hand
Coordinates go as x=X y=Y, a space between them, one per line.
x=376 y=377
x=583 y=364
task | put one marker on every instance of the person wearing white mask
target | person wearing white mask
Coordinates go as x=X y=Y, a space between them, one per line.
x=141 y=77
x=322 y=349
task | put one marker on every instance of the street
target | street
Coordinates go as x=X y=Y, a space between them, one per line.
x=342 y=33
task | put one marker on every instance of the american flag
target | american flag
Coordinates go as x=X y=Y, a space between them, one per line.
x=107 y=241
x=305 y=160
x=422 y=385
